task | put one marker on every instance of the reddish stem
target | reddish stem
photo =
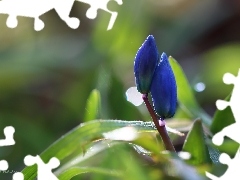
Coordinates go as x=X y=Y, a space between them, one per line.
x=161 y=129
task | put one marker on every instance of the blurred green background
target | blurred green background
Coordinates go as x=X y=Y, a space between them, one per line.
x=47 y=76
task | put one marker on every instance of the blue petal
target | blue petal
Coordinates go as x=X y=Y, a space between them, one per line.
x=164 y=89
x=146 y=61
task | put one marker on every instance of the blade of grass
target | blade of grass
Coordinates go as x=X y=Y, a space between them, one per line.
x=74 y=171
x=92 y=106
x=186 y=98
x=80 y=136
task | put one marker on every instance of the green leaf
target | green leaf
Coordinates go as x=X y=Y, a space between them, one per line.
x=134 y=168
x=92 y=106
x=186 y=99
x=74 y=171
x=81 y=136
x=122 y=109
x=213 y=152
x=222 y=118
x=195 y=144
x=108 y=84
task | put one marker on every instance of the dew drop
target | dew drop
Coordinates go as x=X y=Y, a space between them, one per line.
x=199 y=87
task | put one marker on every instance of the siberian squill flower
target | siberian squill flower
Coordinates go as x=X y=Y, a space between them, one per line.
x=146 y=61
x=155 y=75
x=164 y=89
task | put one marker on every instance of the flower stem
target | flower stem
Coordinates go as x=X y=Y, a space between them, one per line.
x=161 y=129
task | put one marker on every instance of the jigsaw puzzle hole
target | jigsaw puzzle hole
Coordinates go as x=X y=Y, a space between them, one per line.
x=91 y=13
x=28 y=160
x=218 y=139
x=228 y=78
x=38 y=24
x=54 y=162
x=3 y=165
x=9 y=130
x=224 y=158
x=18 y=176
x=73 y=22
x=221 y=105
x=12 y=22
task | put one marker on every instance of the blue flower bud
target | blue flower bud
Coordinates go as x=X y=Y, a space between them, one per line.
x=164 y=89
x=145 y=63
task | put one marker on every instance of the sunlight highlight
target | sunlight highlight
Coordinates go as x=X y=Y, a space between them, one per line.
x=133 y=96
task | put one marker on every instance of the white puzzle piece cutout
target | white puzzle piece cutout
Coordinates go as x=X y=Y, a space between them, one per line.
x=36 y=8
x=3 y=165
x=8 y=141
x=44 y=170
x=232 y=131
x=101 y=4
x=232 y=172
x=8 y=132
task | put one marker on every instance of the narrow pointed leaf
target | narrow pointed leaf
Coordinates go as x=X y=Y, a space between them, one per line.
x=92 y=106
x=186 y=98
x=195 y=144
